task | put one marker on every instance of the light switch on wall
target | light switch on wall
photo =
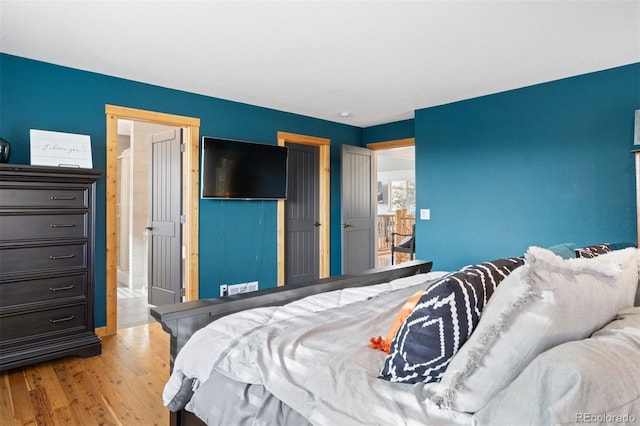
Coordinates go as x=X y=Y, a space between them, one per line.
x=425 y=214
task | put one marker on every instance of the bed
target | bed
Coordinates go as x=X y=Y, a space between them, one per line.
x=408 y=345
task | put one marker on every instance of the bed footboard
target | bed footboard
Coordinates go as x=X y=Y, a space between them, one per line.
x=181 y=320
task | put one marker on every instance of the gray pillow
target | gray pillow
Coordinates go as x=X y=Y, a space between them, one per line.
x=576 y=381
x=546 y=302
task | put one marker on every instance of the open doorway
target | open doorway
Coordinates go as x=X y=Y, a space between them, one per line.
x=136 y=200
x=396 y=202
x=190 y=190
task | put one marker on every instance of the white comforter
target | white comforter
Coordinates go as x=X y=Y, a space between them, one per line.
x=320 y=365
x=197 y=357
x=313 y=356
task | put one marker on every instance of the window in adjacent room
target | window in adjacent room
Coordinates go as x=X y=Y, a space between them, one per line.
x=402 y=195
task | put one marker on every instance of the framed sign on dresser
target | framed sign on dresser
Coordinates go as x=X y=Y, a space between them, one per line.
x=46 y=264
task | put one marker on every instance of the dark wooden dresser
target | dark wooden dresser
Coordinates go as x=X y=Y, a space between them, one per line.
x=46 y=264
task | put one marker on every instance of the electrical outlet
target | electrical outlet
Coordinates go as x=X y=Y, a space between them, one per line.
x=224 y=290
x=243 y=287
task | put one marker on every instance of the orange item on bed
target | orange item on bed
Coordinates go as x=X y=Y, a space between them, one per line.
x=385 y=344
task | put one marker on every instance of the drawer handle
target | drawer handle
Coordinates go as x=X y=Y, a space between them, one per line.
x=69 y=287
x=63 y=197
x=69 y=318
x=62 y=225
x=68 y=256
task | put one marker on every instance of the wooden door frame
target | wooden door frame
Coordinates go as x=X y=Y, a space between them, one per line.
x=190 y=202
x=396 y=143
x=324 y=204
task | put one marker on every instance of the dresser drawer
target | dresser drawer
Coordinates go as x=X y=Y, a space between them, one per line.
x=43 y=226
x=38 y=323
x=48 y=197
x=40 y=258
x=42 y=290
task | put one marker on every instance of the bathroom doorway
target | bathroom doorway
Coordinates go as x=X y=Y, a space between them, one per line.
x=136 y=186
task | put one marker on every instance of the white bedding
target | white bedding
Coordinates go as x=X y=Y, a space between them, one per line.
x=198 y=356
x=309 y=362
x=322 y=367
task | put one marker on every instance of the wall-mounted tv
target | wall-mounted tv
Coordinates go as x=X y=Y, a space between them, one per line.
x=234 y=169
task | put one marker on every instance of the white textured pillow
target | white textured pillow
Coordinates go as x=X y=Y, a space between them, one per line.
x=546 y=302
x=596 y=376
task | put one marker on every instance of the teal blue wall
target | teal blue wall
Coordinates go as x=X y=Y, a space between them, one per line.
x=237 y=238
x=387 y=132
x=541 y=165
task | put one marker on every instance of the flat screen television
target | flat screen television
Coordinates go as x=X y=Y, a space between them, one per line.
x=234 y=169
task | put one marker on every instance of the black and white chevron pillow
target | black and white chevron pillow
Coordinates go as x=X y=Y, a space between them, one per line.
x=593 y=251
x=442 y=320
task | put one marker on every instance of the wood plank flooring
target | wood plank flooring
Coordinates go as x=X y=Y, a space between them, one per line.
x=123 y=386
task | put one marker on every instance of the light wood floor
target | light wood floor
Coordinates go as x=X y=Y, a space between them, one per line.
x=123 y=386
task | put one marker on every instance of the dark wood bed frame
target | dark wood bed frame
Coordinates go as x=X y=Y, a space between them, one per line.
x=183 y=319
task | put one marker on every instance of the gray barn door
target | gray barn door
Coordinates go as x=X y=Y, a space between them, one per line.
x=165 y=236
x=302 y=245
x=358 y=209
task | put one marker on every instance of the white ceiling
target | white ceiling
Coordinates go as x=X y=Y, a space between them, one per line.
x=379 y=60
x=388 y=160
